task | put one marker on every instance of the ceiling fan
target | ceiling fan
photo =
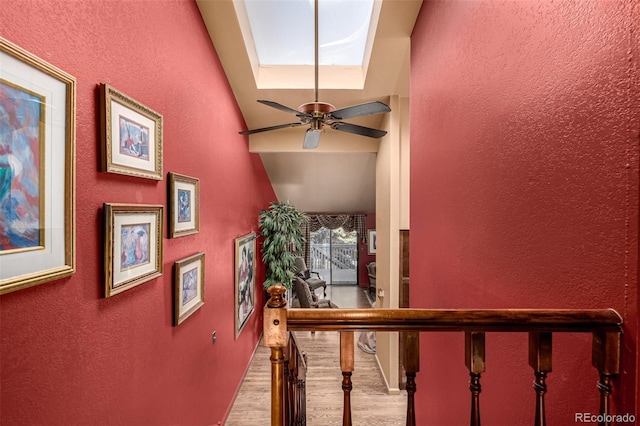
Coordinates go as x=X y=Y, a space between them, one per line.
x=318 y=114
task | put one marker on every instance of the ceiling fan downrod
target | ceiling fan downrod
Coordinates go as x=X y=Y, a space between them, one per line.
x=316 y=67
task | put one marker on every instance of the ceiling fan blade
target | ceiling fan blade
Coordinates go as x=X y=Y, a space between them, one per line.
x=281 y=107
x=266 y=129
x=360 y=110
x=358 y=130
x=311 y=139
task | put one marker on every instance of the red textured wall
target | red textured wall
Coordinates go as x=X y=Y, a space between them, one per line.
x=69 y=356
x=524 y=192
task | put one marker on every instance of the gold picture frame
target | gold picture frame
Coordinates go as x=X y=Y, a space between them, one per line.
x=188 y=282
x=184 y=205
x=245 y=282
x=133 y=245
x=38 y=170
x=131 y=136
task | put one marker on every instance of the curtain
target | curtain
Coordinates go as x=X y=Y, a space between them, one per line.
x=349 y=223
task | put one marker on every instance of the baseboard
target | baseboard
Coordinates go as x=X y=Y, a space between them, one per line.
x=390 y=390
x=244 y=375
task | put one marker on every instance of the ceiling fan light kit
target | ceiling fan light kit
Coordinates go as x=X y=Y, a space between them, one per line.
x=317 y=114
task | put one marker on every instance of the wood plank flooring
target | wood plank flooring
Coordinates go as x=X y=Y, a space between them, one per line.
x=371 y=405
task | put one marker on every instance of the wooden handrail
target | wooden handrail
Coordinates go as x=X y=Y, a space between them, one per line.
x=485 y=320
x=604 y=324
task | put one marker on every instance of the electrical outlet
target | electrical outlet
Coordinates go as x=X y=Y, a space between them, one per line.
x=213 y=338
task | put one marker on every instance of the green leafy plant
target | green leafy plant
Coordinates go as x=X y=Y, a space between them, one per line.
x=281 y=227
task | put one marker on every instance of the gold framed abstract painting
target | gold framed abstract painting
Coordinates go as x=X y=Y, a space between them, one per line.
x=37 y=170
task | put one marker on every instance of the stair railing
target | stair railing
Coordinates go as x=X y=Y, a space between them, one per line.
x=295 y=375
x=605 y=325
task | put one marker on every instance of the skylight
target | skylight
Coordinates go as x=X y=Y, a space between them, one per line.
x=280 y=41
x=283 y=31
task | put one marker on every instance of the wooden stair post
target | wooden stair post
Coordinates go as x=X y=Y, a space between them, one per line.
x=288 y=373
x=275 y=337
x=411 y=367
x=540 y=360
x=301 y=403
x=606 y=358
x=347 y=366
x=475 y=362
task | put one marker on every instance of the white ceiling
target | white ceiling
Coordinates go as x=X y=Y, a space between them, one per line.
x=339 y=176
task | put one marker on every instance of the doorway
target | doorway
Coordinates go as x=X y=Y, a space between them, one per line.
x=334 y=255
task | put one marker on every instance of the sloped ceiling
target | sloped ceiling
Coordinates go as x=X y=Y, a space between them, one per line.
x=339 y=176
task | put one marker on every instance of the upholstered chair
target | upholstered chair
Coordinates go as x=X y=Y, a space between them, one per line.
x=306 y=274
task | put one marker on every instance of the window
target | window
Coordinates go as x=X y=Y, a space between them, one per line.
x=279 y=36
x=283 y=31
x=334 y=255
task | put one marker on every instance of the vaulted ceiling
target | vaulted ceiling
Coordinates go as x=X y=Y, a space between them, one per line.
x=338 y=176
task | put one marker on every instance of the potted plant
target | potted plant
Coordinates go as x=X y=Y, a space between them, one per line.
x=281 y=227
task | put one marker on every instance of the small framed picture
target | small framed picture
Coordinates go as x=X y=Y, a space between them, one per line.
x=37 y=170
x=133 y=245
x=184 y=204
x=131 y=136
x=371 y=241
x=245 y=289
x=188 y=281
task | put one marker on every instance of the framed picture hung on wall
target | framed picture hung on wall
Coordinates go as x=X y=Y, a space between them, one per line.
x=371 y=241
x=188 y=284
x=37 y=170
x=184 y=205
x=133 y=245
x=131 y=136
x=245 y=291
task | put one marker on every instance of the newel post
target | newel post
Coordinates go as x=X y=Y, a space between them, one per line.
x=275 y=337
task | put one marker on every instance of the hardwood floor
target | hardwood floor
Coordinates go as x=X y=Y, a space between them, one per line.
x=371 y=405
x=347 y=296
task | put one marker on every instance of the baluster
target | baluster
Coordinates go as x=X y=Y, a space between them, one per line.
x=346 y=365
x=301 y=418
x=411 y=367
x=275 y=337
x=287 y=384
x=606 y=358
x=540 y=354
x=293 y=383
x=475 y=362
x=302 y=388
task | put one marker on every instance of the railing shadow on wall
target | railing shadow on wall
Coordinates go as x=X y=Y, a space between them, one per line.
x=605 y=325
